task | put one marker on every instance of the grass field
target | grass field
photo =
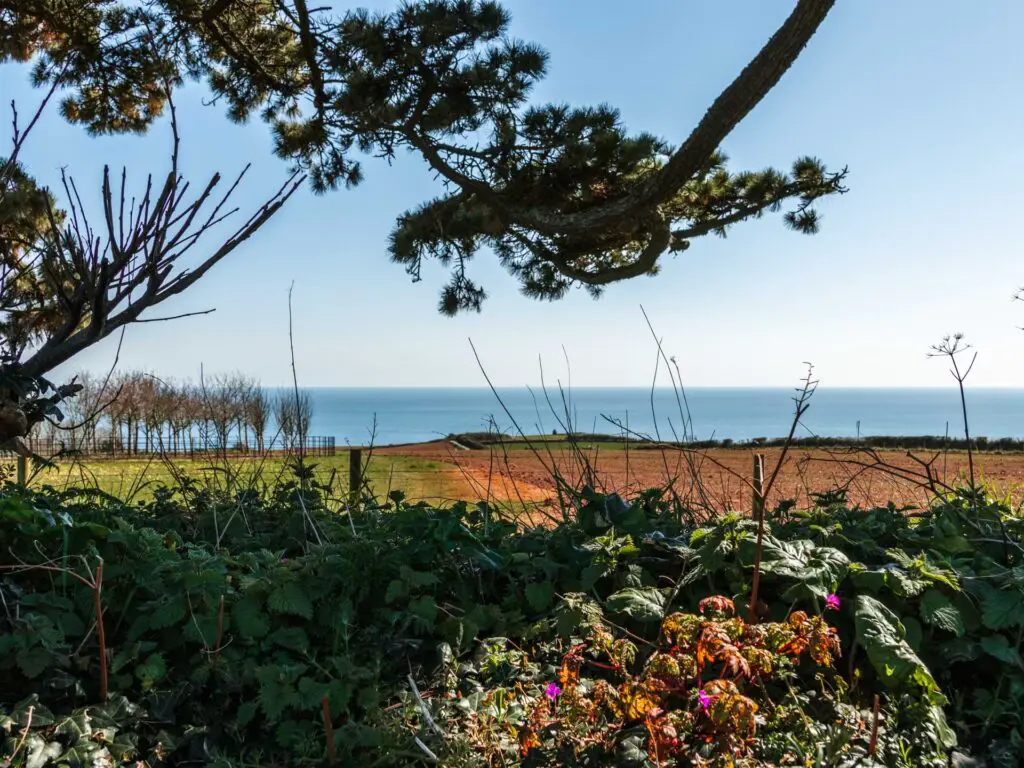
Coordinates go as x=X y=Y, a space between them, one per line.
x=135 y=478
x=516 y=473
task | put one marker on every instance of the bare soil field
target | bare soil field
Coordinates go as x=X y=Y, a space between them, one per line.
x=517 y=472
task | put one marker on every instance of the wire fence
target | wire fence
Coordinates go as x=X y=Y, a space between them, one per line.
x=107 y=448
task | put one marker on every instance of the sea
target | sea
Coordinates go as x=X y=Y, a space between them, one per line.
x=391 y=416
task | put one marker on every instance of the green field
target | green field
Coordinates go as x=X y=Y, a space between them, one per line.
x=136 y=478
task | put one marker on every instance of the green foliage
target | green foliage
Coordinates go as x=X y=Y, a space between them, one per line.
x=485 y=617
x=563 y=195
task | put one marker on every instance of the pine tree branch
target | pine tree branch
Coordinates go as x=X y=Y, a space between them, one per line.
x=734 y=104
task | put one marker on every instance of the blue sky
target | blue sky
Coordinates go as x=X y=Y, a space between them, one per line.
x=920 y=98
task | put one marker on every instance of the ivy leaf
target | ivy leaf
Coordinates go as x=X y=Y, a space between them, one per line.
x=881 y=634
x=641 y=604
x=938 y=610
x=41 y=716
x=40 y=752
x=632 y=752
x=76 y=727
x=123 y=747
x=539 y=595
x=998 y=647
x=289 y=598
x=87 y=753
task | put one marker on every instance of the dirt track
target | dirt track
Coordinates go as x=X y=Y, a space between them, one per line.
x=724 y=472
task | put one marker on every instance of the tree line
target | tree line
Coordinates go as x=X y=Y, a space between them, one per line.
x=136 y=412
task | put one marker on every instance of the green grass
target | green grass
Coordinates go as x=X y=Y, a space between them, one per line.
x=135 y=478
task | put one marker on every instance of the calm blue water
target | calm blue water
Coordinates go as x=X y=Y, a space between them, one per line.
x=413 y=415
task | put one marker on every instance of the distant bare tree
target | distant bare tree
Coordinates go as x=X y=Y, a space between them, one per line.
x=293 y=414
x=257 y=412
x=67 y=280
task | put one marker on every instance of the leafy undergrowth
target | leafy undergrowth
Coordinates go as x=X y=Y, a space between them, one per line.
x=263 y=630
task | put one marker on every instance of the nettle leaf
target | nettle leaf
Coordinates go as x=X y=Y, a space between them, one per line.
x=1001 y=608
x=396 y=589
x=540 y=595
x=248 y=618
x=418 y=578
x=246 y=712
x=424 y=608
x=151 y=671
x=867 y=580
x=938 y=610
x=998 y=646
x=590 y=575
x=33 y=661
x=312 y=692
x=882 y=635
x=960 y=649
x=906 y=583
x=641 y=604
x=167 y=613
x=289 y=598
x=294 y=638
x=291 y=734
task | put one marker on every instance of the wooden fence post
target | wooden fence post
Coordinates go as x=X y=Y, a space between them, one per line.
x=758 y=495
x=355 y=475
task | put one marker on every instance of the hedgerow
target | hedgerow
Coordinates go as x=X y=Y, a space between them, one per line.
x=261 y=629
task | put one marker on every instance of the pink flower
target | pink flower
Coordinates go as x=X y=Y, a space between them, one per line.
x=704 y=699
x=832 y=602
x=552 y=691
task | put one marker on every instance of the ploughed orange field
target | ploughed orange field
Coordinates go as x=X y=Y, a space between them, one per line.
x=518 y=474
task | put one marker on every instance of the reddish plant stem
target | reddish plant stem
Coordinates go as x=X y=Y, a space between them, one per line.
x=101 y=634
x=325 y=707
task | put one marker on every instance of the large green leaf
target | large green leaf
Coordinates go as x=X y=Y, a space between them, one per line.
x=998 y=647
x=289 y=598
x=938 y=610
x=641 y=604
x=816 y=570
x=1000 y=608
x=249 y=619
x=33 y=661
x=882 y=635
x=539 y=594
x=152 y=671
